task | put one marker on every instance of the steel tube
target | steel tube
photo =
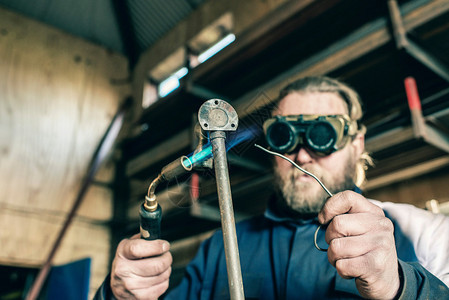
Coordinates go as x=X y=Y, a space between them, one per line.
x=227 y=215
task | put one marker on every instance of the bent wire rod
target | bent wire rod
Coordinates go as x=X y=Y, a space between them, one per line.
x=308 y=173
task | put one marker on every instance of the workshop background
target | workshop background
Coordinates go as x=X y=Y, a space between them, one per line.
x=71 y=68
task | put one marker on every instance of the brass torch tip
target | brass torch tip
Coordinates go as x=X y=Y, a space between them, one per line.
x=150 y=203
x=186 y=163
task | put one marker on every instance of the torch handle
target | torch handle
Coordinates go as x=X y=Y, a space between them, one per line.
x=150 y=223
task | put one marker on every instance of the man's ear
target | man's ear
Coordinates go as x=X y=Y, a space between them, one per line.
x=358 y=145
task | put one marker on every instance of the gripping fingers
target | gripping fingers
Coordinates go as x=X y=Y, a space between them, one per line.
x=147 y=282
x=361 y=266
x=147 y=267
x=348 y=247
x=138 y=248
x=151 y=293
x=369 y=265
x=355 y=225
x=351 y=267
x=371 y=279
x=129 y=278
x=141 y=269
x=376 y=243
x=346 y=202
x=147 y=292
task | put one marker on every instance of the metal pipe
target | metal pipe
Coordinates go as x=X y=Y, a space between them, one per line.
x=227 y=215
x=217 y=116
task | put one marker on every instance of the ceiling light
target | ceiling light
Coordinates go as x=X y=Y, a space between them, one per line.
x=171 y=83
x=220 y=45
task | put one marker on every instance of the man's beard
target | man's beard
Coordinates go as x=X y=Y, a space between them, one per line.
x=309 y=197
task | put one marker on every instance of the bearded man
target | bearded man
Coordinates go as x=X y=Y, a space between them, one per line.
x=375 y=250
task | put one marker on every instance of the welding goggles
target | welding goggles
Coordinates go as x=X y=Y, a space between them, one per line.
x=321 y=134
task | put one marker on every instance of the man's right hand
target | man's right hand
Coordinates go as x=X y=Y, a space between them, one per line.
x=141 y=269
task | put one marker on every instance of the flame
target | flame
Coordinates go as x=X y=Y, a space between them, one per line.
x=233 y=140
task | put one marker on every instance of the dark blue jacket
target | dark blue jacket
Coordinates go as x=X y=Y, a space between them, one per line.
x=279 y=261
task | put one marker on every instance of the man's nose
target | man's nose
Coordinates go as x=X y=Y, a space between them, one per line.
x=303 y=156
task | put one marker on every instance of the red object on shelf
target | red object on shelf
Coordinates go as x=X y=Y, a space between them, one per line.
x=412 y=93
x=195 y=186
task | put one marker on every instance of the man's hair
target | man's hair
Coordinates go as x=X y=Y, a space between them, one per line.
x=322 y=84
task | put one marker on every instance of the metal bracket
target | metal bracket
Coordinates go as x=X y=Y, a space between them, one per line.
x=216 y=114
x=422 y=127
x=413 y=49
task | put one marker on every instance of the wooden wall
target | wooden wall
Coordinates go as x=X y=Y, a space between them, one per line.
x=57 y=97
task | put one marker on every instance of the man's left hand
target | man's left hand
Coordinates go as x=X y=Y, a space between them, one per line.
x=361 y=244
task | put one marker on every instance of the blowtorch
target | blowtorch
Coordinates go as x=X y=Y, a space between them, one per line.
x=150 y=211
x=215 y=117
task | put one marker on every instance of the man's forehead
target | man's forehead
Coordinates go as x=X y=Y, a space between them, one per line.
x=297 y=103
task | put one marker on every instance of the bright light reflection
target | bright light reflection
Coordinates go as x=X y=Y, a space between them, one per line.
x=216 y=48
x=181 y=72
x=171 y=83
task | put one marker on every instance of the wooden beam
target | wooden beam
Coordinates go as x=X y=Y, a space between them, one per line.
x=245 y=163
x=262 y=28
x=159 y=152
x=407 y=173
x=389 y=138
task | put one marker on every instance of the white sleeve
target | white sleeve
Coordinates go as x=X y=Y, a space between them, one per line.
x=428 y=232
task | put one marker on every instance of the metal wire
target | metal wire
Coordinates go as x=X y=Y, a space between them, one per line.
x=308 y=173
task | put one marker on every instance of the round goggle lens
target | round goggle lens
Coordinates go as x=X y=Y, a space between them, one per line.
x=279 y=136
x=321 y=137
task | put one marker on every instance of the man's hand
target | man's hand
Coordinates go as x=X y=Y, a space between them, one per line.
x=141 y=269
x=361 y=244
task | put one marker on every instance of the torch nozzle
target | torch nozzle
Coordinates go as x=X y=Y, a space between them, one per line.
x=150 y=203
x=176 y=168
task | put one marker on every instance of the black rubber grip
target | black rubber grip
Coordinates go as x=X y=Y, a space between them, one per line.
x=150 y=223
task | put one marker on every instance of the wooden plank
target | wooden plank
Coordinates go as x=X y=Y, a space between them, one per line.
x=261 y=28
x=407 y=173
x=28 y=237
x=416 y=191
x=57 y=99
x=166 y=148
x=389 y=138
x=57 y=102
